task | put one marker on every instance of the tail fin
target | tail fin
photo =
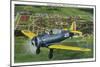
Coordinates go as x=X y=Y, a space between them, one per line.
x=74 y=30
x=73 y=26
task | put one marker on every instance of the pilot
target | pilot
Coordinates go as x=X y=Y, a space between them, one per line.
x=51 y=32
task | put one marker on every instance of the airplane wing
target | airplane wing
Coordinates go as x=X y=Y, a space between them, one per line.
x=65 y=47
x=29 y=34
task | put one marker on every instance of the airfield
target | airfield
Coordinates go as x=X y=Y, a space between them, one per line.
x=39 y=18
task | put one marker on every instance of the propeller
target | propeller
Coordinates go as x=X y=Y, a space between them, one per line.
x=35 y=45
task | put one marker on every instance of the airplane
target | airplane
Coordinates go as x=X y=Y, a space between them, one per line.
x=52 y=41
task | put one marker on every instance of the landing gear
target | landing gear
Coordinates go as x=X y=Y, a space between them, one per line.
x=38 y=50
x=50 y=53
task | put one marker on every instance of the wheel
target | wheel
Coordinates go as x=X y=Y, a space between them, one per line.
x=38 y=50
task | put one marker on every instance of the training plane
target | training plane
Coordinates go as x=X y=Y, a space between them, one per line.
x=52 y=41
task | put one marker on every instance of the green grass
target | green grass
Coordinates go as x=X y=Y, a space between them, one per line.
x=22 y=56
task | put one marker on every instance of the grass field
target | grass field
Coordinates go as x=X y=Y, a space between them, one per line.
x=23 y=53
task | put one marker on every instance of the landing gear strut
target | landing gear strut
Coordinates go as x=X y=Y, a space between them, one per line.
x=50 y=53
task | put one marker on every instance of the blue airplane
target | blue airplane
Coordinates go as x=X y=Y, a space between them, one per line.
x=52 y=41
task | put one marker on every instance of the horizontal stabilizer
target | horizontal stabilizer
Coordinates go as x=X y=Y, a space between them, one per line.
x=77 y=32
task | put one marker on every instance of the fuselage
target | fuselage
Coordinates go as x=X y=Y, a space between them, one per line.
x=45 y=40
